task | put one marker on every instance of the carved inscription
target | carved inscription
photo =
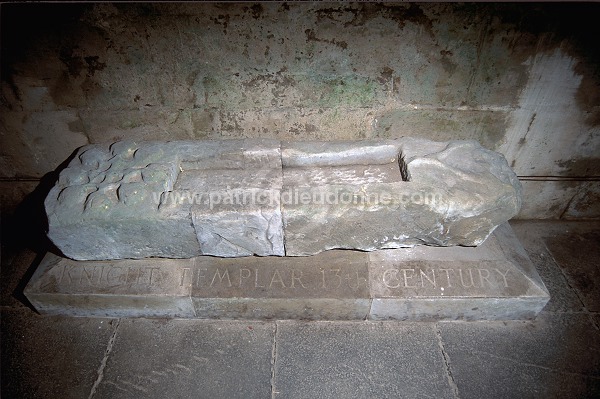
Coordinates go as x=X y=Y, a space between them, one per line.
x=413 y=278
x=208 y=277
x=268 y=278
x=466 y=278
x=107 y=275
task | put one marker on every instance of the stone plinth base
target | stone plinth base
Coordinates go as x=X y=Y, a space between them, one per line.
x=495 y=281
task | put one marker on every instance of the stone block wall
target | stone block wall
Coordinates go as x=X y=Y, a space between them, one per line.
x=523 y=80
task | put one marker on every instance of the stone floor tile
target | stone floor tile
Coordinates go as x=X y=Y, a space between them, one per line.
x=562 y=296
x=359 y=360
x=15 y=269
x=555 y=356
x=51 y=357
x=189 y=359
x=578 y=254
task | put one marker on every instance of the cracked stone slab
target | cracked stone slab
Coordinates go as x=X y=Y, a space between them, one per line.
x=359 y=360
x=51 y=357
x=189 y=358
x=557 y=355
x=235 y=198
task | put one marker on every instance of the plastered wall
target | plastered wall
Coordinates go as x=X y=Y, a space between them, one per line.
x=523 y=80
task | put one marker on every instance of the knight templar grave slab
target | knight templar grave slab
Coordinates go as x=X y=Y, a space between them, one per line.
x=406 y=229
x=238 y=198
x=493 y=281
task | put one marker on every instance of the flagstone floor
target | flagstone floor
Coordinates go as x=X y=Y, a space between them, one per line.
x=555 y=356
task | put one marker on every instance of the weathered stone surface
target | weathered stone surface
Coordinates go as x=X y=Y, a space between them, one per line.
x=167 y=199
x=330 y=286
x=243 y=197
x=308 y=71
x=576 y=253
x=181 y=359
x=493 y=281
x=50 y=357
x=393 y=194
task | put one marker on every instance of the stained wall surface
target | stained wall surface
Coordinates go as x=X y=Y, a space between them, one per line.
x=523 y=80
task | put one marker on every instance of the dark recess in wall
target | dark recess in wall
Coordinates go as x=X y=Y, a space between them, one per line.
x=23 y=25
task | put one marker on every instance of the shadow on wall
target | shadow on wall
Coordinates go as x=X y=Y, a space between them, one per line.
x=28 y=225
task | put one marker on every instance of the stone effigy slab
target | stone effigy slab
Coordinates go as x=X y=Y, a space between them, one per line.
x=237 y=198
x=394 y=194
x=494 y=281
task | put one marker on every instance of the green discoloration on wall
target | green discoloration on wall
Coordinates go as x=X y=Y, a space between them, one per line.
x=304 y=71
x=347 y=91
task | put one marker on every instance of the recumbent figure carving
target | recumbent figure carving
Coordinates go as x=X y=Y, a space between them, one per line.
x=233 y=198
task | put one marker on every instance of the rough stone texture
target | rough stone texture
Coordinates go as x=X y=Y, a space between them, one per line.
x=331 y=286
x=563 y=298
x=136 y=200
x=555 y=355
x=577 y=255
x=490 y=282
x=521 y=79
x=494 y=281
x=123 y=288
x=234 y=198
x=29 y=133
x=394 y=194
x=549 y=197
x=585 y=203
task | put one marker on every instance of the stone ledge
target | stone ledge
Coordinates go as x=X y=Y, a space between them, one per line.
x=495 y=281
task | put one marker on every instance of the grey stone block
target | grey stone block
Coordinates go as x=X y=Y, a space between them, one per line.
x=246 y=197
x=331 y=286
x=122 y=288
x=493 y=281
x=167 y=199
